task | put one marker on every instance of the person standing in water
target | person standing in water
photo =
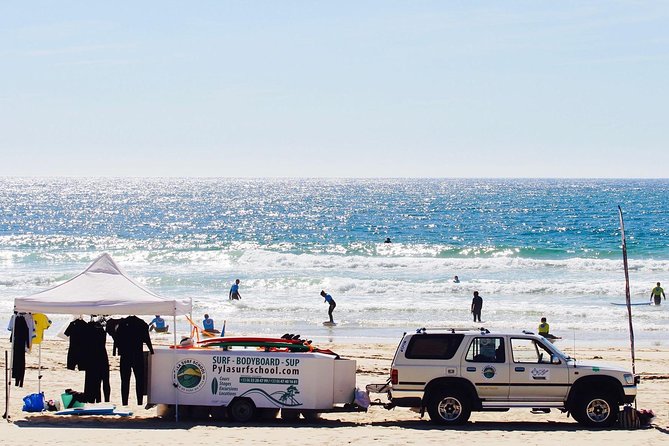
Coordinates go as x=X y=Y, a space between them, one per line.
x=234 y=291
x=657 y=294
x=477 y=305
x=330 y=301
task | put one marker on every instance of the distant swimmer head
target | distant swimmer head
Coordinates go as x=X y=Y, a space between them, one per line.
x=237 y=281
x=476 y=293
x=322 y=293
x=387 y=240
x=206 y=316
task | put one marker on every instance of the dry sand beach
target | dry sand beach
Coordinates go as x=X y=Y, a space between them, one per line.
x=399 y=426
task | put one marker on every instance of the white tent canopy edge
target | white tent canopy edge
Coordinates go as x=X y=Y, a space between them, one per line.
x=104 y=289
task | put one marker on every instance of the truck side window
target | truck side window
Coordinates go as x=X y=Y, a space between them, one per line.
x=434 y=346
x=486 y=350
x=529 y=351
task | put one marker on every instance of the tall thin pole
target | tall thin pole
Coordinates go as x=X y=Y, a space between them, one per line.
x=628 y=300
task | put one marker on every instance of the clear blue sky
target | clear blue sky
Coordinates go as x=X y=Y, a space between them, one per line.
x=335 y=89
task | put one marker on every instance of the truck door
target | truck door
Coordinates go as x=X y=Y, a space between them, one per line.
x=536 y=374
x=486 y=367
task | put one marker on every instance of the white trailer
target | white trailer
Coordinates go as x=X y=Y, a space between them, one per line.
x=243 y=380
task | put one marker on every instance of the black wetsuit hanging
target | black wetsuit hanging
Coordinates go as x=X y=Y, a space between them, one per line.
x=131 y=335
x=97 y=364
x=79 y=348
x=21 y=340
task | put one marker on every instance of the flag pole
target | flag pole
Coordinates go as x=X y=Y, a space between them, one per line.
x=627 y=288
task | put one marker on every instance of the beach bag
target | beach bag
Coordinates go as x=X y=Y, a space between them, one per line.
x=628 y=418
x=33 y=402
x=361 y=398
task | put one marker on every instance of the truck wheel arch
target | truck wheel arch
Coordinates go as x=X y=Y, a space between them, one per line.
x=605 y=383
x=459 y=383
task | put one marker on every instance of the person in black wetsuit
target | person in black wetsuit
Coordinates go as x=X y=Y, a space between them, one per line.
x=131 y=335
x=477 y=305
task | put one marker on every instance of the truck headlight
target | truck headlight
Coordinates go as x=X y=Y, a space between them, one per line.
x=629 y=378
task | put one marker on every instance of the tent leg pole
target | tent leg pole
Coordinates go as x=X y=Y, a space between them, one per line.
x=6 y=387
x=39 y=369
x=174 y=350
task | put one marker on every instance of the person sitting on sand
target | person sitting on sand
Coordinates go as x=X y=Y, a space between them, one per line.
x=657 y=293
x=208 y=324
x=158 y=324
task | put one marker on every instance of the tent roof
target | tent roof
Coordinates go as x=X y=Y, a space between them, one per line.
x=103 y=288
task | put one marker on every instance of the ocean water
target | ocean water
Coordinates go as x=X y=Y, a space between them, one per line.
x=532 y=248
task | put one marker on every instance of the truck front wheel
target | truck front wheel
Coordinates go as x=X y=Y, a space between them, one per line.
x=241 y=410
x=449 y=406
x=596 y=409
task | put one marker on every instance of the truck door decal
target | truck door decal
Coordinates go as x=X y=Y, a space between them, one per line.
x=540 y=374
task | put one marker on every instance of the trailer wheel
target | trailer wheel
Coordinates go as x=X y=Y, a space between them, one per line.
x=241 y=410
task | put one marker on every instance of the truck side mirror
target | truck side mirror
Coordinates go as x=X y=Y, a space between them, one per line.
x=555 y=359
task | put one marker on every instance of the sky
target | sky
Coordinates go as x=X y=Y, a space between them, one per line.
x=335 y=89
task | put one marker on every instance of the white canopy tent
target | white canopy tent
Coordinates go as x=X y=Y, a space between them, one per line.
x=101 y=289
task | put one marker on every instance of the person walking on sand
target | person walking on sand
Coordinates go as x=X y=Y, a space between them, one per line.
x=234 y=291
x=332 y=303
x=477 y=305
x=657 y=294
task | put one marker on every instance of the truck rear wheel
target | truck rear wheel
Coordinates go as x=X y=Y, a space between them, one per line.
x=596 y=409
x=241 y=410
x=449 y=406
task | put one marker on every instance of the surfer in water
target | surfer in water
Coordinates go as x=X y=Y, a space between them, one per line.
x=332 y=303
x=657 y=294
x=234 y=291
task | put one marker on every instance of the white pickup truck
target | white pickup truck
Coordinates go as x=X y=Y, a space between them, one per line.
x=451 y=373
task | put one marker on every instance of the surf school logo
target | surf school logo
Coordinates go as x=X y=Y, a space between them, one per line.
x=189 y=375
x=489 y=371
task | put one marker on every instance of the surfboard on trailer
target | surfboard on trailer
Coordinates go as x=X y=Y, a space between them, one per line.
x=633 y=304
x=330 y=324
x=251 y=339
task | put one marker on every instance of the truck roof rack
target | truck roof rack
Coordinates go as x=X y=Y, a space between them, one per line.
x=452 y=329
